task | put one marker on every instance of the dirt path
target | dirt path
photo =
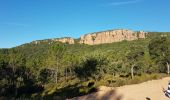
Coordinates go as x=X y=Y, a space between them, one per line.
x=151 y=90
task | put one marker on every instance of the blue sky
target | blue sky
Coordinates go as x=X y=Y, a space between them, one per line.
x=22 y=21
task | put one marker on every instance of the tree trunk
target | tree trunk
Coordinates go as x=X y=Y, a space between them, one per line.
x=113 y=75
x=167 y=67
x=13 y=79
x=132 y=75
x=70 y=71
x=56 y=73
x=66 y=74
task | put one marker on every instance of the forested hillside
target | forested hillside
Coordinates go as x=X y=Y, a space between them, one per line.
x=57 y=70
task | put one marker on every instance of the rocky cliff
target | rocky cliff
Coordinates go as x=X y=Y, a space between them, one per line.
x=100 y=37
x=63 y=40
x=111 y=36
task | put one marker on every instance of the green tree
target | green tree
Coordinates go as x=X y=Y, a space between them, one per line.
x=69 y=61
x=46 y=75
x=134 y=58
x=93 y=38
x=160 y=52
x=55 y=54
x=92 y=66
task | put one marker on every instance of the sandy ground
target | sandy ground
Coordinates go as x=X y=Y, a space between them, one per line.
x=151 y=90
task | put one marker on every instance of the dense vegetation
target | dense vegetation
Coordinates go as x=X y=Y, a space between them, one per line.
x=56 y=70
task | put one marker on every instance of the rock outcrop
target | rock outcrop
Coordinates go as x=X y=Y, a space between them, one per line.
x=67 y=40
x=100 y=37
x=111 y=36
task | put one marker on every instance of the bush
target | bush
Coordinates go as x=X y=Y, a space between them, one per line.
x=82 y=91
x=120 y=82
x=135 y=80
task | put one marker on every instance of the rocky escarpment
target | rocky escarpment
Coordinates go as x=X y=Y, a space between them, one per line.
x=67 y=40
x=100 y=37
x=111 y=36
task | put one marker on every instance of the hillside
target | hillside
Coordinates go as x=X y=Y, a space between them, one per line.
x=48 y=68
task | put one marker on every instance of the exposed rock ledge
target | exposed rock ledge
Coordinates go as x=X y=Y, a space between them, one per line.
x=111 y=36
x=65 y=40
x=100 y=37
x=68 y=40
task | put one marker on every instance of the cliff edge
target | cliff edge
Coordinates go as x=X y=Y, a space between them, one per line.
x=111 y=36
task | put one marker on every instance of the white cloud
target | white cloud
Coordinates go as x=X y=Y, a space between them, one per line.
x=118 y=3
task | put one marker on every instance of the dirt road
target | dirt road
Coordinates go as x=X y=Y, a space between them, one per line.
x=151 y=90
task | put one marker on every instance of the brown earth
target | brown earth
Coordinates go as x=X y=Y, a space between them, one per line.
x=150 y=90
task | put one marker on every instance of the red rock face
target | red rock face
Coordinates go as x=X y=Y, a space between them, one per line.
x=111 y=36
